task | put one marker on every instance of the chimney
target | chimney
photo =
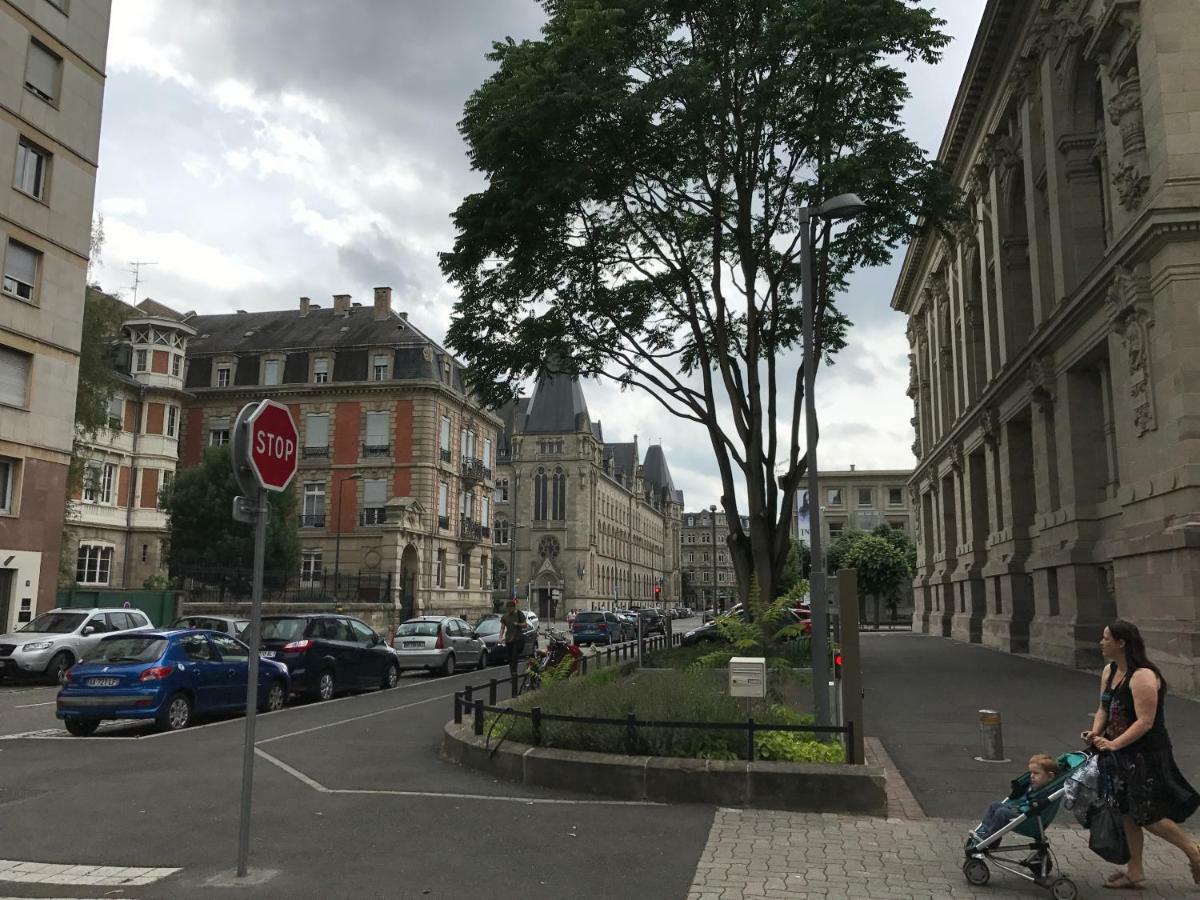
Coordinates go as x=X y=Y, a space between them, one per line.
x=383 y=302
x=341 y=304
x=403 y=315
x=851 y=467
x=305 y=306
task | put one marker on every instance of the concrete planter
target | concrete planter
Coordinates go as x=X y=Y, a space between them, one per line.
x=803 y=787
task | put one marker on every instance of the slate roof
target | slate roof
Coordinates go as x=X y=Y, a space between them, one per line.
x=557 y=406
x=151 y=307
x=624 y=460
x=281 y=330
x=656 y=473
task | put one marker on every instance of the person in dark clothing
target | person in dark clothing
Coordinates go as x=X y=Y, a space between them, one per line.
x=1149 y=789
x=513 y=623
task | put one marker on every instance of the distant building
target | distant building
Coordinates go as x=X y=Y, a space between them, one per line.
x=862 y=500
x=397 y=460
x=51 y=94
x=585 y=523
x=118 y=529
x=704 y=556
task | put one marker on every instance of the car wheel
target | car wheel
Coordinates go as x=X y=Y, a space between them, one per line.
x=82 y=727
x=391 y=677
x=57 y=670
x=276 y=698
x=483 y=660
x=177 y=714
x=325 y=686
x=448 y=665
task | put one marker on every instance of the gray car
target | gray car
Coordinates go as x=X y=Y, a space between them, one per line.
x=438 y=643
x=229 y=625
x=56 y=640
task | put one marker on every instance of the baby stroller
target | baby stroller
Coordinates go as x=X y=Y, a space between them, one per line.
x=1032 y=860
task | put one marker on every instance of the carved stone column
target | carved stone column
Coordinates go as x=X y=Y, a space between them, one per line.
x=1130 y=307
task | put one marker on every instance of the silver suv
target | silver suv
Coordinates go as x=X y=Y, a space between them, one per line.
x=56 y=640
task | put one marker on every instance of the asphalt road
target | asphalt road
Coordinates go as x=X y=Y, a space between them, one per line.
x=350 y=800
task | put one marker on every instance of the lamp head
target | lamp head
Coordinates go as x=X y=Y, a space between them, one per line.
x=843 y=206
x=713 y=508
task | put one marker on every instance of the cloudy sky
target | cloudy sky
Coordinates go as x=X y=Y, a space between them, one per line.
x=259 y=150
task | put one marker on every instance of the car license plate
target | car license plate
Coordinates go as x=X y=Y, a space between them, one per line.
x=103 y=682
x=412 y=645
x=267 y=654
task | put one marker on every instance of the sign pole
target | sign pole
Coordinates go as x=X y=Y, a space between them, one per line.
x=260 y=552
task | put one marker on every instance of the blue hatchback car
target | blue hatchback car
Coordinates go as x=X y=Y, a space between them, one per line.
x=168 y=676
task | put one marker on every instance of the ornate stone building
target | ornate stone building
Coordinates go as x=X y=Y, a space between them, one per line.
x=1055 y=377
x=585 y=524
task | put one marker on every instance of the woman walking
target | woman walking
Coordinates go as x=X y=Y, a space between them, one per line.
x=1150 y=791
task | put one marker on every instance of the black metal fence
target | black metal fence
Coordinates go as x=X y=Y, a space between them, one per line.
x=216 y=585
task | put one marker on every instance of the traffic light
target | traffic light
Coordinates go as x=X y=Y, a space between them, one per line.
x=657 y=591
x=837 y=665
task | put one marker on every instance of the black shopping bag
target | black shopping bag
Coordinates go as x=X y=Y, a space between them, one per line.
x=1106 y=832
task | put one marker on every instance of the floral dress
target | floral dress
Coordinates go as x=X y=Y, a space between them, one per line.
x=1145 y=782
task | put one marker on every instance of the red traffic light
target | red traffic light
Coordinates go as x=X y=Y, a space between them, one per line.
x=657 y=590
x=837 y=665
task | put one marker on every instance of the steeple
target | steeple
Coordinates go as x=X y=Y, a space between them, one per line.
x=557 y=406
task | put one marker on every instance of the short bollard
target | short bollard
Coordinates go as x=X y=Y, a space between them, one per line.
x=479 y=717
x=991 y=737
x=750 y=739
x=583 y=665
x=457 y=708
x=469 y=694
x=492 y=692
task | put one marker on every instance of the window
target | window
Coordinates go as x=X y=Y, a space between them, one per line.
x=376 y=443
x=375 y=494
x=379 y=368
x=485 y=511
x=439 y=572
x=501 y=531
x=218 y=431
x=487 y=452
x=140 y=358
x=865 y=497
x=895 y=496
x=33 y=167
x=833 y=497
x=836 y=528
x=559 y=506
x=316 y=434
x=20 y=270
x=271 y=371
x=310 y=566
x=98 y=482
x=8 y=478
x=320 y=371
x=93 y=564
x=176 y=364
x=443 y=505
x=362 y=634
x=230 y=649
x=691 y=557
x=898 y=525
x=164 y=492
x=500 y=576
x=223 y=375
x=485 y=573
x=466 y=505
x=116 y=412
x=466 y=444
x=172 y=420
x=502 y=490
x=313 y=513
x=445 y=439
x=464 y=563
x=539 y=495
x=41 y=72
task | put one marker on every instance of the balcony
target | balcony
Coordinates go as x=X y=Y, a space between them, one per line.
x=312 y=520
x=315 y=452
x=373 y=451
x=445 y=454
x=374 y=515
x=470 y=530
x=474 y=470
x=503 y=455
x=444 y=522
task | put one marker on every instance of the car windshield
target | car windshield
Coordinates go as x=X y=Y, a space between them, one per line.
x=418 y=629
x=55 y=623
x=129 y=649
x=590 y=617
x=488 y=626
x=283 y=629
x=241 y=625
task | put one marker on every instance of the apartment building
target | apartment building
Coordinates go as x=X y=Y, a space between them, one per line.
x=859 y=500
x=51 y=94
x=397 y=461
x=708 y=576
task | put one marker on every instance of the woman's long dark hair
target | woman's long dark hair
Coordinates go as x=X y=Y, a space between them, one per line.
x=1135 y=647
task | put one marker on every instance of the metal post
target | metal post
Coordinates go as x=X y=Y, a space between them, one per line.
x=479 y=717
x=991 y=737
x=712 y=510
x=819 y=604
x=458 y=707
x=851 y=683
x=260 y=550
x=750 y=739
x=492 y=692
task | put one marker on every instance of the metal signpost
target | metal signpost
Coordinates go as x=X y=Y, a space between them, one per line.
x=265 y=456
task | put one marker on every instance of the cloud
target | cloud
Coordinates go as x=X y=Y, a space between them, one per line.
x=180 y=254
x=124 y=206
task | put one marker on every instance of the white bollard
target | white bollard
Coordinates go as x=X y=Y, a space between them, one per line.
x=991 y=737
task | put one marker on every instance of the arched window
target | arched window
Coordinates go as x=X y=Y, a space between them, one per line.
x=539 y=495
x=501 y=531
x=499 y=575
x=559 y=507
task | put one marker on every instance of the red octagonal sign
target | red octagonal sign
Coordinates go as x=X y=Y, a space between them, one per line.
x=273 y=445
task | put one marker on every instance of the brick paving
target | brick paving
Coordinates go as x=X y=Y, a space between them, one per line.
x=901 y=802
x=772 y=854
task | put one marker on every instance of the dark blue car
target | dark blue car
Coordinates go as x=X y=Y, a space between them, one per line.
x=596 y=628
x=168 y=676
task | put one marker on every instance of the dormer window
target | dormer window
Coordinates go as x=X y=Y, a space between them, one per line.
x=321 y=371
x=379 y=368
x=272 y=370
x=223 y=374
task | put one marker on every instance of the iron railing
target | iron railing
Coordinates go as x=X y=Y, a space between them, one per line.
x=315 y=452
x=470 y=530
x=474 y=470
x=312 y=520
x=372 y=515
x=370 y=451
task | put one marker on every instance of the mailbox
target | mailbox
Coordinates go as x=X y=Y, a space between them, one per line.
x=748 y=676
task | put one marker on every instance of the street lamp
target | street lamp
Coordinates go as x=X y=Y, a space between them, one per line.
x=337 y=517
x=713 y=521
x=841 y=207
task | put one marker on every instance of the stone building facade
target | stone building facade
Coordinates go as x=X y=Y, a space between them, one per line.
x=51 y=94
x=1053 y=336
x=861 y=499
x=581 y=523
x=397 y=459
x=708 y=576
x=117 y=528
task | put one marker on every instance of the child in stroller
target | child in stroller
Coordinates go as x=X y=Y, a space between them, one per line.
x=1027 y=811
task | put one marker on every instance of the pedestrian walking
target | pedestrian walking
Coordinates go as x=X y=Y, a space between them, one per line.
x=513 y=621
x=1149 y=790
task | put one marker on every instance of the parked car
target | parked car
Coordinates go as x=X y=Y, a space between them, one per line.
x=496 y=651
x=629 y=625
x=439 y=643
x=652 y=622
x=56 y=640
x=224 y=624
x=327 y=654
x=169 y=676
x=594 y=627
x=709 y=631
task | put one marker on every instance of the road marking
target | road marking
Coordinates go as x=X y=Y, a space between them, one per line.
x=541 y=801
x=92 y=876
x=32 y=705
x=370 y=715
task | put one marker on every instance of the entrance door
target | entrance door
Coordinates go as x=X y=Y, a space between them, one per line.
x=6 y=580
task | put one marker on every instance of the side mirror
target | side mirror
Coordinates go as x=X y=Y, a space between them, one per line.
x=89 y=630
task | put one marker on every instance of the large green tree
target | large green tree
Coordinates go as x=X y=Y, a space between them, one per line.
x=648 y=165
x=203 y=532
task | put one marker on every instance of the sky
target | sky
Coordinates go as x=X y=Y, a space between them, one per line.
x=256 y=151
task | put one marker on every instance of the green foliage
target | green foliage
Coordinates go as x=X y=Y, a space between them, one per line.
x=769 y=631
x=839 y=548
x=901 y=542
x=157 y=582
x=98 y=380
x=203 y=532
x=796 y=570
x=882 y=568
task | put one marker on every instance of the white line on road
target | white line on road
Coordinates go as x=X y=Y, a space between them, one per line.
x=32 y=705
x=370 y=715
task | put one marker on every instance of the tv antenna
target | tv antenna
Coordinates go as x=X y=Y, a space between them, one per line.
x=135 y=268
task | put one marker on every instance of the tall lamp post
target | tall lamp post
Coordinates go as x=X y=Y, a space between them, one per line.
x=844 y=206
x=713 y=521
x=337 y=517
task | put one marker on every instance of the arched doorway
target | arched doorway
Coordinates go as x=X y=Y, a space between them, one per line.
x=410 y=565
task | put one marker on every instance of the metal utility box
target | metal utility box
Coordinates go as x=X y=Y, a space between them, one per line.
x=748 y=676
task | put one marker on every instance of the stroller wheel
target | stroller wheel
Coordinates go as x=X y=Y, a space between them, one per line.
x=977 y=872
x=1064 y=889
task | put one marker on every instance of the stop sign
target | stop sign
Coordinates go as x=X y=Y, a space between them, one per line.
x=273 y=445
